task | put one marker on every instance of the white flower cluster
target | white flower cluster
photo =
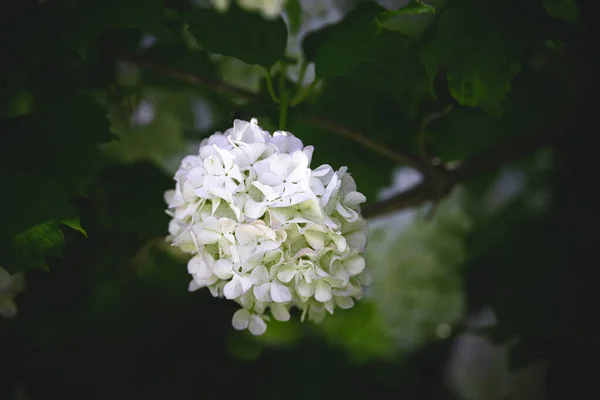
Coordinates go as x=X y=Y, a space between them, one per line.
x=265 y=229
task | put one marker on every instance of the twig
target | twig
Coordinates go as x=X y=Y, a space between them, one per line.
x=361 y=138
x=486 y=161
x=191 y=78
x=315 y=120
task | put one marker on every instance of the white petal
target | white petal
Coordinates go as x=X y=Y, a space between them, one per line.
x=308 y=151
x=196 y=177
x=247 y=234
x=185 y=242
x=227 y=224
x=206 y=236
x=322 y=292
x=259 y=275
x=222 y=193
x=340 y=242
x=279 y=163
x=355 y=264
x=241 y=319
x=226 y=158
x=246 y=282
x=286 y=142
x=194 y=286
x=280 y=312
x=317 y=186
x=257 y=325
x=261 y=292
x=254 y=209
x=195 y=264
x=188 y=192
x=316 y=240
x=169 y=196
x=286 y=274
x=215 y=203
x=329 y=306
x=353 y=199
x=223 y=269
x=270 y=179
x=357 y=237
x=301 y=170
x=348 y=214
x=280 y=293
x=324 y=170
x=316 y=314
x=269 y=192
x=233 y=289
x=344 y=302
x=306 y=289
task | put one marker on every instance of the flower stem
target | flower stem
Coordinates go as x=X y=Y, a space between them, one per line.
x=270 y=86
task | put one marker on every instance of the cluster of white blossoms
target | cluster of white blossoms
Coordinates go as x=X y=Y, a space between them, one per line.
x=266 y=230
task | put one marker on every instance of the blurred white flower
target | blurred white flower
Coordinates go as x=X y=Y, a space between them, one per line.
x=10 y=286
x=479 y=369
x=268 y=8
x=265 y=229
x=415 y=266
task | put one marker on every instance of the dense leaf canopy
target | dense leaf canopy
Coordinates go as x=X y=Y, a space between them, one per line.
x=490 y=102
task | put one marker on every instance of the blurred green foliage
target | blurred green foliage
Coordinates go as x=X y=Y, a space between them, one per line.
x=100 y=99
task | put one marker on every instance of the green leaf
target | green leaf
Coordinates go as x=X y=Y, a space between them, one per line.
x=471 y=47
x=314 y=40
x=466 y=131
x=483 y=79
x=415 y=7
x=349 y=42
x=563 y=9
x=23 y=208
x=411 y=20
x=240 y=34
x=74 y=223
x=28 y=249
x=47 y=158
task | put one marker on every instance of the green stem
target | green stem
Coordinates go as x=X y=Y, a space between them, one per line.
x=270 y=86
x=283 y=94
x=302 y=96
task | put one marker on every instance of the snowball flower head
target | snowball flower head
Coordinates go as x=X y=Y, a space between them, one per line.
x=265 y=229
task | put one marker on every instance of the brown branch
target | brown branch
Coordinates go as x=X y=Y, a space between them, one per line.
x=363 y=139
x=313 y=119
x=486 y=161
x=191 y=78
